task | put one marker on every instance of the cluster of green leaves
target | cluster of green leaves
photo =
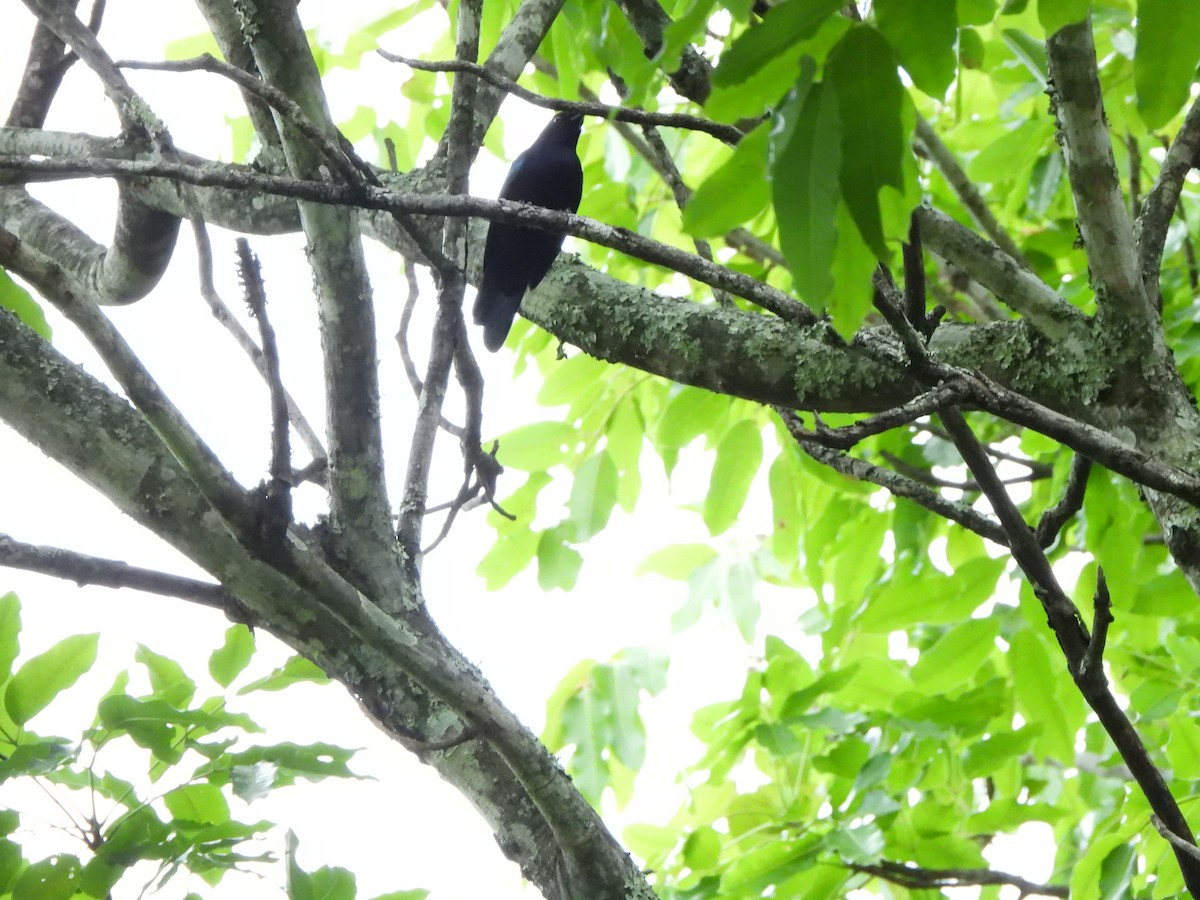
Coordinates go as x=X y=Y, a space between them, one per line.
x=595 y=710
x=934 y=716
x=176 y=813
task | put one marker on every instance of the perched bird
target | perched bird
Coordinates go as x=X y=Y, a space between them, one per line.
x=516 y=259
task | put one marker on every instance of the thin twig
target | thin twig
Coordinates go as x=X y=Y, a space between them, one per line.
x=276 y=511
x=846 y=436
x=895 y=483
x=447 y=326
x=226 y=318
x=1092 y=666
x=410 y=367
x=1057 y=516
x=919 y=878
x=726 y=133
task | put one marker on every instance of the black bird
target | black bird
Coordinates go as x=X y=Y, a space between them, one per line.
x=516 y=259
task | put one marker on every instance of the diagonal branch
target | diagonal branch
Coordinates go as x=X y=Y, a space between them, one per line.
x=1151 y=227
x=898 y=485
x=931 y=145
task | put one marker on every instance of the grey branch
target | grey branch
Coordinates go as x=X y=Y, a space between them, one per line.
x=1100 y=209
x=370 y=197
x=1182 y=156
x=1013 y=283
x=83 y=569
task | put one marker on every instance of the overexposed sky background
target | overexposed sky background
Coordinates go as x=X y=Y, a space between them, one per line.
x=405 y=828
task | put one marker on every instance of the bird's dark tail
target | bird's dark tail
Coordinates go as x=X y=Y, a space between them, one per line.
x=494 y=310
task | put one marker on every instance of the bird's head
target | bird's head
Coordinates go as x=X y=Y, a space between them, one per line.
x=566 y=124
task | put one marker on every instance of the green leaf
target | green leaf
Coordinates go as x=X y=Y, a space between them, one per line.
x=853 y=264
x=593 y=495
x=333 y=883
x=956 y=655
x=1030 y=51
x=788 y=23
x=1085 y=880
x=975 y=12
x=1183 y=747
x=1164 y=63
x=862 y=70
x=10 y=633
x=299 y=882
x=35 y=757
x=806 y=152
x=12 y=863
x=198 y=803
x=690 y=413
x=312 y=762
x=295 y=671
x=558 y=562
x=196 y=45
x=923 y=33
x=738 y=457
x=735 y=193
x=417 y=894
x=15 y=298
x=167 y=678
x=232 y=657
x=45 y=676
x=54 y=878
x=1055 y=14
x=971 y=52
x=702 y=849
x=1036 y=689
x=537 y=447
x=931 y=598
x=677 y=561
x=100 y=876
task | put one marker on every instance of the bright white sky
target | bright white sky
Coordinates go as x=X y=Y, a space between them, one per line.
x=405 y=829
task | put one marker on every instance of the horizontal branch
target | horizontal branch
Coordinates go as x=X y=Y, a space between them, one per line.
x=84 y=569
x=370 y=197
x=919 y=878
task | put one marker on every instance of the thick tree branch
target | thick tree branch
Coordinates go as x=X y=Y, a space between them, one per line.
x=1013 y=283
x=1100 y=209
x=517 y=45
x=45 y=68
x=401 y=670
x=358 y=493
